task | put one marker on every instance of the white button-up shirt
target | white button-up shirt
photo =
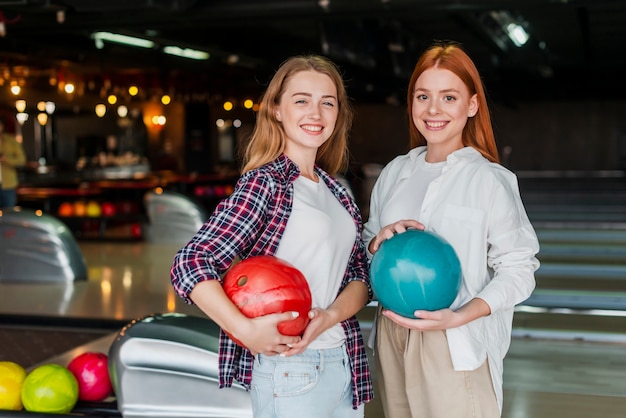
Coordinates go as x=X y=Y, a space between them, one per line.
x=476 y=206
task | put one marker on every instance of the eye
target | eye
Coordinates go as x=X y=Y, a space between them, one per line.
x=449 y=98
x=421 y=97
x=329 y=104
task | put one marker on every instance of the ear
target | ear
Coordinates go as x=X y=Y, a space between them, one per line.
x=473 y=106
x=277 y=114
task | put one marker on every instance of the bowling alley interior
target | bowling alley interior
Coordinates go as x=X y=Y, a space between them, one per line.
x=132 y=115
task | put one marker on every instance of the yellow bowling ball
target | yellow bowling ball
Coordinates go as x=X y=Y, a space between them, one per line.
x=93 y=209
x=12 y=377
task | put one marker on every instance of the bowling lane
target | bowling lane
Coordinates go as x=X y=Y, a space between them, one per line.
x=125 y=281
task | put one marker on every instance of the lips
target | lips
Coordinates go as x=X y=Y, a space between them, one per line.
x=312 y=128
x=435 y=124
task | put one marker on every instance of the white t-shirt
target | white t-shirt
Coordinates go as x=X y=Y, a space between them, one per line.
x=405 y=201
x=318 y=240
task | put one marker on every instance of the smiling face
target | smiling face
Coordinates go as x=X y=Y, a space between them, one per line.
x=441 y=105
x=308 y=112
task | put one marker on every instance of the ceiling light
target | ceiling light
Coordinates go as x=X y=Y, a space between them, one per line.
x=50 y=107
x=99 y=37
x=122 y=111
x=517 y=34
x=21 y=117
x=186 y=53
x=101 y=110
x=20 y=105
x=502 y=24
x=42 y=118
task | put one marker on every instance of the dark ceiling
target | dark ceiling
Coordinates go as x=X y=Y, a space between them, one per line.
x=576 y=50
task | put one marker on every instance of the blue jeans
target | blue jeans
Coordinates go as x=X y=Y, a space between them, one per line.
x=314 y=384
x=8 y=198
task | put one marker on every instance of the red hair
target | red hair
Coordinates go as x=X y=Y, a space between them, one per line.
x=478 y=132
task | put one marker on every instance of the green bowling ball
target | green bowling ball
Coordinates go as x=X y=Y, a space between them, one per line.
x=50 y=388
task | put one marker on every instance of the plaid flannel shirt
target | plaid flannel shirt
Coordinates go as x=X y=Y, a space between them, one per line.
x=249 y=222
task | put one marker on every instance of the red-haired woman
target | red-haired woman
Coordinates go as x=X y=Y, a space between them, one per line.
x=448 y=363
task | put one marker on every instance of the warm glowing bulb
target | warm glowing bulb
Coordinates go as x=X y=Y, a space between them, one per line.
x=21 y=117
x=20 y=105
x=101 y=110
x=166 y=99
x=15 y=89
x=69 y=88
x=228 y=106
x=50 y=107
x=112 y=99
x=133 y=90
x=248 y=103
x=122 y=111
x=42 y=118
x=41 y=106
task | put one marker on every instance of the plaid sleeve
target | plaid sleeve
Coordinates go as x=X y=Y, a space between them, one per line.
x=232 y=228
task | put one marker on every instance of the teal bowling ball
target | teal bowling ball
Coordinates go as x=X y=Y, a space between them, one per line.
x=415 y=270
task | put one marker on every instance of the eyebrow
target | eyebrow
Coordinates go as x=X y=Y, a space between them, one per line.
x=442 y=91
x=311 y=95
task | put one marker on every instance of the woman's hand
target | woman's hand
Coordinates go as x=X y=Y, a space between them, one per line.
x=425 y=320
x=392 y=229
x=443 y=318
x=260 y=334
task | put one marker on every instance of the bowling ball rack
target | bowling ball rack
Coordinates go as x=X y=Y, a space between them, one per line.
x=103 y=409
x=183 y=354
x=107 y=409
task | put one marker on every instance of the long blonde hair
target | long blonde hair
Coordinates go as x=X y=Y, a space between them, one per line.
x=478 y=132
x=268 y=138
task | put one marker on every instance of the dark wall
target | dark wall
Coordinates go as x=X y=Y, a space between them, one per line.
x=584 y=135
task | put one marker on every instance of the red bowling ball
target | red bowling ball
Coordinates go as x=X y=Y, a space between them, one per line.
x=91 y=370
x=263 y=285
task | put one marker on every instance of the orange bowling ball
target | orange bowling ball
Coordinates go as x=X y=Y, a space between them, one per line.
x=80 y=208
x=66 y=209
x=12 y=377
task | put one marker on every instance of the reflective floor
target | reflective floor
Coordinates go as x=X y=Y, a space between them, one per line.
x=560 y=364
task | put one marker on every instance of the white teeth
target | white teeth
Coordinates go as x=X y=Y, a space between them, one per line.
x=312 y=128
x=435 y=124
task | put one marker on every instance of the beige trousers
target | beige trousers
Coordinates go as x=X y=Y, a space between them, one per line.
x=416 y=378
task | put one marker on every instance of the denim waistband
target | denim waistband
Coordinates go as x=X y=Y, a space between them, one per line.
x=316 y=356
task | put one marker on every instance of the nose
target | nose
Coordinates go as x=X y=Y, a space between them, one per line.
x=433 y=108
x=314 y=112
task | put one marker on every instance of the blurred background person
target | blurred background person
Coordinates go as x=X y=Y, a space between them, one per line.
x=12 y=156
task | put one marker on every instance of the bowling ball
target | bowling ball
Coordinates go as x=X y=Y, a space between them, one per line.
x=264 y=284
x=108 y=209
x=80 y=208
x=66 y=209
x=93 y=209
x=50 y=388
x=415 y=270
x=12 y=377
x=91 y=370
